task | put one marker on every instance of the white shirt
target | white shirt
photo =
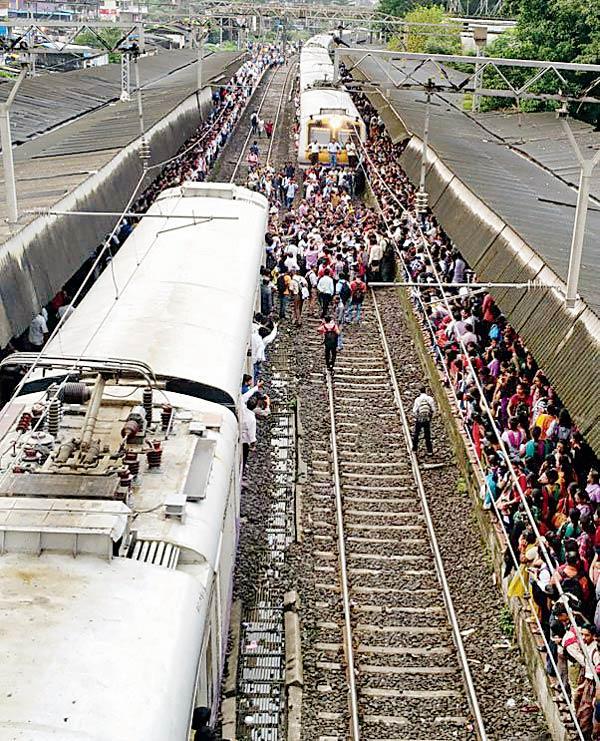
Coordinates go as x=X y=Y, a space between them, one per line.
x=291 y=263
x=37 y=329
x=314 y=147
x=65 y=311
x=248 y=433
x=424 y=398
x=325 y=284
x=376 y=253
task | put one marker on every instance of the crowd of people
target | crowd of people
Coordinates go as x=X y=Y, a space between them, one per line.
x=541 y=477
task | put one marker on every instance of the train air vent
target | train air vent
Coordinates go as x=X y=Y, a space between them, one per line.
x=156 y=552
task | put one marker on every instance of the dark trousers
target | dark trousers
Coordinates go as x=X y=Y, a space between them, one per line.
x=426 y=427
x=324 y=300
x=245 y=452
x=330 y=356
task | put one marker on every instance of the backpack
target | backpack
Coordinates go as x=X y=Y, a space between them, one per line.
x=281 y=286
x=424 y=411
x=358 y=294
x=331 y=339
x=345 y=292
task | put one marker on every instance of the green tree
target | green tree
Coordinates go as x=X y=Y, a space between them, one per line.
x=110 y=36
x=425 y=39
x=394 y=7
x=557 y=30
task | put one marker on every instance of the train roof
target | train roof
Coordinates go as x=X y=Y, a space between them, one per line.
x=320 y=40
x=93 y=650
x=314 y=102
x=186 y=290
x=92 y=647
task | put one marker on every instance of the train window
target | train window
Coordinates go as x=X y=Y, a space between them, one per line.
x=320 y=133
x=344 y=135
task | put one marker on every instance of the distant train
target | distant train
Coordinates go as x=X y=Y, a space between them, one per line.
x=327 y=112
x=119 y=514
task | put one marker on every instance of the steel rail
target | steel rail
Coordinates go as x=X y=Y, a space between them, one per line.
x=515 y=479
x=437 y=556
x=279 y=108
x=249 y=135
x=339 y=516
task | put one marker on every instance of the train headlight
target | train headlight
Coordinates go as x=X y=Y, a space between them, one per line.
x=335 y=122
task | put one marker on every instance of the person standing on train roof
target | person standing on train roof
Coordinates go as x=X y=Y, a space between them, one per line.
x=423 y=410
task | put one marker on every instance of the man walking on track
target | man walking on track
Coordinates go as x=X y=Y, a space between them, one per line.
x=423 y=411
x=330 y=331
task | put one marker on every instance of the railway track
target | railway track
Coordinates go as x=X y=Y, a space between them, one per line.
x=269 y=100
x=387 y=655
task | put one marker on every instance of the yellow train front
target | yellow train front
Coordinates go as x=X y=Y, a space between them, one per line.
x=327 y=112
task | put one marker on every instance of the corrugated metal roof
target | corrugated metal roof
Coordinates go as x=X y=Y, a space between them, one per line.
x=49 y=100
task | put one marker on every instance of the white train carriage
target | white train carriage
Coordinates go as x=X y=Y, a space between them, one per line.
x=316 y=69
x=327 y=114
x=118 y=516
x=320 y=40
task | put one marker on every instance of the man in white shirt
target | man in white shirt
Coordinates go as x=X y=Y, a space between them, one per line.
x=351 y=153
x=325 y=290
x=313 y=150
x=64 y=312
x=290 y=262
x=258 y=345
x=38 y=331
x=423 y=410
x=333 y=149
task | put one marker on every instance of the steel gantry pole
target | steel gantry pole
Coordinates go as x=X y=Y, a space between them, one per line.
x=583 y=199
x=200 y=55
x=10 y=185
x=421 y=200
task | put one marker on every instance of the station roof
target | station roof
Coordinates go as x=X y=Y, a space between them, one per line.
x=51 y=99
x=504 y=189
x=53 y=163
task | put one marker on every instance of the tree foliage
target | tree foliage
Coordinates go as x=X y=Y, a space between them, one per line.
x=425 y=39
x=557 y=30
x=111 y=37
x=395 y=7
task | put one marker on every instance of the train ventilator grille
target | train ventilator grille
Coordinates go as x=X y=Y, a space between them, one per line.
x=155 y=552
